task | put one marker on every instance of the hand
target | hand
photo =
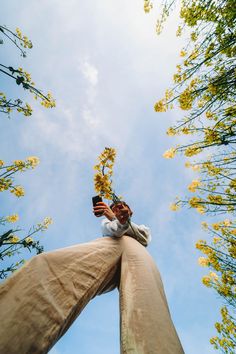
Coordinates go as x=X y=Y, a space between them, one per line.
x=103 y=209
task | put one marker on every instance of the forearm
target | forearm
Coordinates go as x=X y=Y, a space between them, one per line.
x=114 y=228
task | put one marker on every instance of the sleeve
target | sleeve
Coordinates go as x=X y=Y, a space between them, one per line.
x=141 y=233
x=113 y=228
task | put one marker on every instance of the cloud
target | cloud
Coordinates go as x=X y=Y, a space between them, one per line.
x=90 y=72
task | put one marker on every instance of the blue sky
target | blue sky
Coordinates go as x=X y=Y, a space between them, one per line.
x=106 y=68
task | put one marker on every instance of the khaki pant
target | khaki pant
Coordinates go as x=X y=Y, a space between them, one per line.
x=39 y=302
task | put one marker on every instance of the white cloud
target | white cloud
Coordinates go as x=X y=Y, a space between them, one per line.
x=90 y=72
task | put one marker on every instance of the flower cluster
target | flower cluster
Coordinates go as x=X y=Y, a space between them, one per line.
x=147 y=6
x=11 y=243
x=7 y=174
x=102 y=178
x=24 y=40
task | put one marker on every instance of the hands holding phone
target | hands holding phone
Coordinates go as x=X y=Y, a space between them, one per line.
x=120 y=211
x=102 y=209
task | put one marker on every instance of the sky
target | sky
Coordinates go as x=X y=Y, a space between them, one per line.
x=106 y=67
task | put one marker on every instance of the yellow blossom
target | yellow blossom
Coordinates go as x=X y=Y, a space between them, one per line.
x=206 y=280
x=200 y=244
x=160 y=106
x=12 y=218
x=186 y=99
x=33 y=160
x=200 y=209
x=213 y=275
x=171 y=131
x=186 y=131
x=46 y=222
x=204 y=262
x=14 y=239
x=192 y=150
x=20 y=164
x=216 y=226
x=18 y=191
x=227 y=222
x=1 y=163
x=183 y=53
x=187 y=164
x=147 y=6
x=29 y=240
x=169 y=154
x=174 y=207
x=204 y=225
x=194 y=184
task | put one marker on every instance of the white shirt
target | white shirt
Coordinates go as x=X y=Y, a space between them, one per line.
x=114 y=228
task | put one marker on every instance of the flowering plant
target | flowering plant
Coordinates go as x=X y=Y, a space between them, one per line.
x=103 y=177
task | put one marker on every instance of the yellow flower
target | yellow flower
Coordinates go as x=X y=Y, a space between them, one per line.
x=213 y=275
x=18 y=191
x=168 y=94
x=29 y=240
x=179 y=31
x=183 y=53
x=227 y=222
x=204 y=262
x=196 y=167
x=14 y=239
x=174 y=207
x=169 y=154
x=147 y=6
x=12 y=218
x=206 y=280
x=216 y=226
x=194 y=184
x=186 y=99
x=33 y=161
x=201 y=209
x=200 y=244
x=216 y=239
x=204 y=225
x=171 y=131
x=188 y=164
x=192 y=150
x=160 y=106
x=20 y=164
x=1 y=163
x=47 y=221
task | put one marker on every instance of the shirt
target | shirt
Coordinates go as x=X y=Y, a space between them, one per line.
x=114 y=228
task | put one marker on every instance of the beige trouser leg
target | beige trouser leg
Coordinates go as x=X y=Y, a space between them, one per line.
x=41 y=300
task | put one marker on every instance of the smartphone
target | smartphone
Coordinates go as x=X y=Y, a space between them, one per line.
x=95 y=200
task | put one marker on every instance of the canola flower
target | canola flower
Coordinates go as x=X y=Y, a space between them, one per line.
x=169 y=154
x=13 y=239
x=29 y=240
x=18 y=191
x=7 y=172
x=174 y=207
x=147 y=6
x=194 y=185
x=204 y=262
x=102 y=178
x=12 y=218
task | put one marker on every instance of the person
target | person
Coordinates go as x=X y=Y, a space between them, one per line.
x=117 y=222
x=41 y=300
